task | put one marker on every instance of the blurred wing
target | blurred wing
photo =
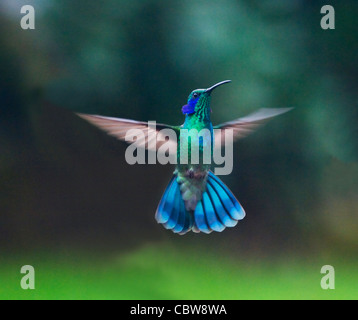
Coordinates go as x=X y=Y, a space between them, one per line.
x=244 y=126
x=119 y=128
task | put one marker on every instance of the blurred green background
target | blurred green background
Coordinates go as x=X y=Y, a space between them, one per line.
x=73 y=208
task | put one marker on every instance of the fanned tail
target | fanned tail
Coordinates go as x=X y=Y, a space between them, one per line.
x=217 y=209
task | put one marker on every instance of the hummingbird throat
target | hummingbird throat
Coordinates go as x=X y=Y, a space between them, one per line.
x=199 y=106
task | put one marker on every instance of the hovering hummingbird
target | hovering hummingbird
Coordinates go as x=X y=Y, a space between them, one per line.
x=195 y=198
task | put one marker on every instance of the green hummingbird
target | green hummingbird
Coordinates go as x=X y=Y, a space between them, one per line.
x=195 y=198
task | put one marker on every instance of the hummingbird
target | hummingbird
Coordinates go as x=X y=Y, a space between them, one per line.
x=195 y=198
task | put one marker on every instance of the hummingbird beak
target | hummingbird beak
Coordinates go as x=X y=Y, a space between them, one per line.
x=209 y=90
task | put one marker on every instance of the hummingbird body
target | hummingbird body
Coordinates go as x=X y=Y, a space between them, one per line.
x=195 y=199
x=205 y=197
x=192 y=176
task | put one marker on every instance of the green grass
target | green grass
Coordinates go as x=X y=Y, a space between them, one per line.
x=158 y=272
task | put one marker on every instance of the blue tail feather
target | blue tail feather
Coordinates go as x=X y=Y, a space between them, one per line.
x=225 y=200
x=213 y=220
x=237 y=214
x=188 y=219
x=222 y=214
x=218 y=207
x=163 y=214
x=171 y=211
x=200 y=218
x=174 y=207
x=181 y=214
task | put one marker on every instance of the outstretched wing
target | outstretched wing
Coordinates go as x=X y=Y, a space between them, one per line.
x=152 y=137
x=244 y=126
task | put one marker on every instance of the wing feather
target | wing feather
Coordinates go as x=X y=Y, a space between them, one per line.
x=242 y=127
x=119 y=128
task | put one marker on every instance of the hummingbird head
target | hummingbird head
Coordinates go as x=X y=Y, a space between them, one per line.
x=199 y=100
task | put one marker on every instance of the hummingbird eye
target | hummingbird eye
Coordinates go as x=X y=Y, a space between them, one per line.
x=195 y=95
